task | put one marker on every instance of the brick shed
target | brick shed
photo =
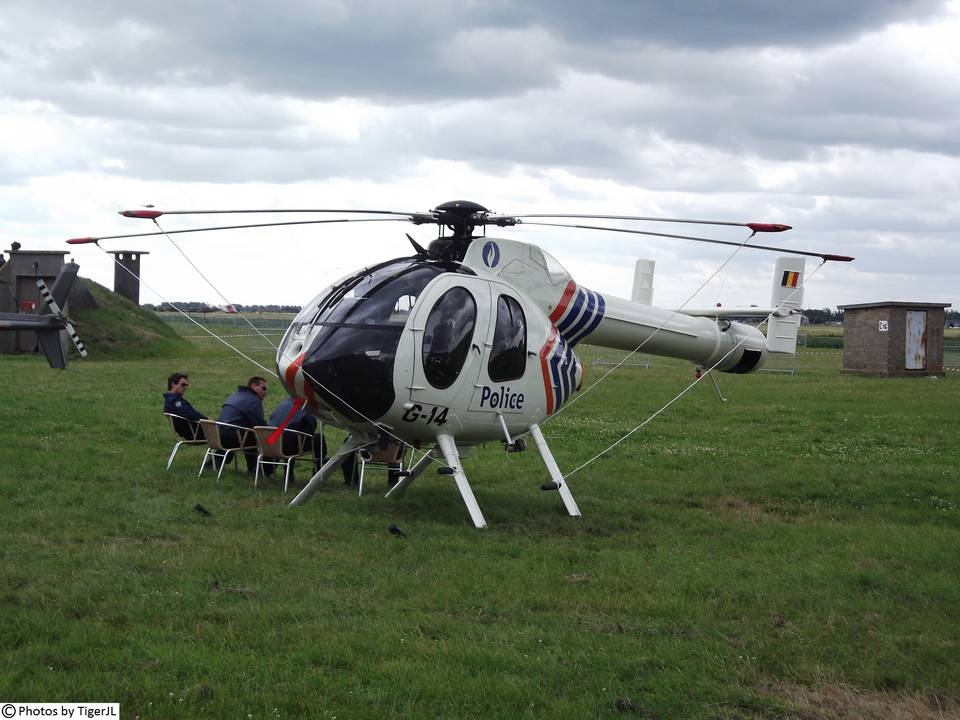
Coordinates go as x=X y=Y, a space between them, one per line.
x=19 y=293
x=893 y=338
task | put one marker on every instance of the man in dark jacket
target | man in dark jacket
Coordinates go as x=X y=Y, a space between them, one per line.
x=176 y=404
x=245 y=408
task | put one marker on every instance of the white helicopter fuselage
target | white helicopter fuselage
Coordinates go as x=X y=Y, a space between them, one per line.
x=446 y=366
x=472 y=339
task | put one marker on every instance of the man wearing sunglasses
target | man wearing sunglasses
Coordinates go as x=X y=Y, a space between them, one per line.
x=245 y=409
x=176 y=404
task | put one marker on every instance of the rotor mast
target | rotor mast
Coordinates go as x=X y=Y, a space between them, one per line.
x=461 y=217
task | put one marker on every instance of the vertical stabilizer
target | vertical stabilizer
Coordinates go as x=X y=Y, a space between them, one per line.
x=643 y=282
x=52 y=347
x=61 y=288
x=787 y=294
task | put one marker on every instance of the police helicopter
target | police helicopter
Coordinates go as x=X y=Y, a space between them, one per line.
x=471 y=339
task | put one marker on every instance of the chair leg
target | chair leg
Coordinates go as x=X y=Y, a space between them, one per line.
x=286 y=477
x=256 y=474
x=173 y=454
x=363 y=466
x=224 y=461
x=204 y=463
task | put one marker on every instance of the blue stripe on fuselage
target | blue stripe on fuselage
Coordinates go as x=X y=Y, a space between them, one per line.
x=592 y=325
x=588 y=314
x=567 y=320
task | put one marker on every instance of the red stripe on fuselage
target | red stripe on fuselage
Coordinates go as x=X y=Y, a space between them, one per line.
x=545 y=367
x=561 y=307
x=275 y=435
x=290 y=376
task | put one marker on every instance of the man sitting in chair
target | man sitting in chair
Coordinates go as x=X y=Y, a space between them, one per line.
x=245 y=408
x=303 y=422
x=176 y=404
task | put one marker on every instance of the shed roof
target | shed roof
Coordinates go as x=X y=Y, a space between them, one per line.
x=893 y=303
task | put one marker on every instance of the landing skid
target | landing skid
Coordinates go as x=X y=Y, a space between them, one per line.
x=350 y=445
x=446 y=448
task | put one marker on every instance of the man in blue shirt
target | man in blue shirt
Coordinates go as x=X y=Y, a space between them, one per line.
x=304 y=422
x=176 y=404
x=245 y=409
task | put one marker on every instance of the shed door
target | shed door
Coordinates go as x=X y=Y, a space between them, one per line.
x=916 y=340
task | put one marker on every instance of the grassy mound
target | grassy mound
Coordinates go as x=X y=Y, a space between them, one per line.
x=112 y=327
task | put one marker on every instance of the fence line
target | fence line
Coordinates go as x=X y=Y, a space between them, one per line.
x=951 y=356
x=271 y=323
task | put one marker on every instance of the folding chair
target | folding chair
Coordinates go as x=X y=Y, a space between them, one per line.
x=192 y=434
x=274 y=454
x=215 y=448
x=390 y=457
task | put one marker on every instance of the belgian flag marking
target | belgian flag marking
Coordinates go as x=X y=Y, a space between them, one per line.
x=790 y=279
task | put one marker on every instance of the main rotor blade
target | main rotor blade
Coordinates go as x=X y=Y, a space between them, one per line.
x=153 y=214
x=756 y=227
x=824 y=256
x=85 y=240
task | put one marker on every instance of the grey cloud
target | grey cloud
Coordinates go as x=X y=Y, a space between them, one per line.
x=416 y=50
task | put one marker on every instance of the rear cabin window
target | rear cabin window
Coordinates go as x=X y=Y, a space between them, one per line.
x=508 y=358
x=447 y=336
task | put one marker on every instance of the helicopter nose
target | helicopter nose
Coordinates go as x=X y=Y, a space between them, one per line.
x=291 y=376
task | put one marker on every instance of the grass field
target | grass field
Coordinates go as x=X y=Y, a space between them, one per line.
x=792 y=553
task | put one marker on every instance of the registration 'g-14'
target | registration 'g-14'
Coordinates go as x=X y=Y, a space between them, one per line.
x=416 y=413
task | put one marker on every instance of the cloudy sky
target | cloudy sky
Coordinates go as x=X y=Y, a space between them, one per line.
x=839 y=118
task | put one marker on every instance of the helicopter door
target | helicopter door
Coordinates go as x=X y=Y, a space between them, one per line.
x=500 y=387
x=448 y=356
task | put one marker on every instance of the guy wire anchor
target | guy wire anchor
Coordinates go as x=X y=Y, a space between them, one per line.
x=713 y=379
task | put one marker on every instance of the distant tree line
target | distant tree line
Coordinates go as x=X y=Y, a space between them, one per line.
x=823 y=316
x=202 y=307
x=826 y=315
x=816 y=316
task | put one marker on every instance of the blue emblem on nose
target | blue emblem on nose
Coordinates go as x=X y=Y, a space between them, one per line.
x=491 y=254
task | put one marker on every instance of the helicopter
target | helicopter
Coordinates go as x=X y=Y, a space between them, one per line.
x=472 y=339
x=49 y=321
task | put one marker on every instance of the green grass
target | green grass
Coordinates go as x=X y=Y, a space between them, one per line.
x=802 y=535
x=118 y=329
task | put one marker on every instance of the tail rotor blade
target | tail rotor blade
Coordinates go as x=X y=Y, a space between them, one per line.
x=67 y=325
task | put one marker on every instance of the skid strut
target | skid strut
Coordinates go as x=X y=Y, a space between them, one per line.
x=351 y=444
x=554 y=471
x=449 y=448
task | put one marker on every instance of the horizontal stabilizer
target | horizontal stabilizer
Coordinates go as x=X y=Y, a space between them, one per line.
x=739 y=312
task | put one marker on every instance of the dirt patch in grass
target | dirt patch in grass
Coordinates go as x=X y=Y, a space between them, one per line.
x=746 y=511
x=843 y=702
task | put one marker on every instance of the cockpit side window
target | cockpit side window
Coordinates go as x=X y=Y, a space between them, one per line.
x=508 y=357
x=447 y=336
x=358 y=324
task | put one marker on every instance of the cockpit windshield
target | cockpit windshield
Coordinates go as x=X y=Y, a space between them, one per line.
x=381 y=299
x=350 y=359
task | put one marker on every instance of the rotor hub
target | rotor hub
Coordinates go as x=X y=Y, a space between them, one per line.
x=461 y=217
